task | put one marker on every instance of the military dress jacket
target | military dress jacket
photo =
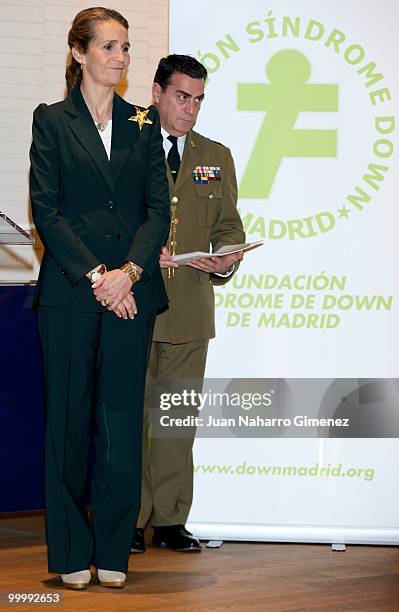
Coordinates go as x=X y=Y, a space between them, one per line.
x=90 y=210
x=206 y=211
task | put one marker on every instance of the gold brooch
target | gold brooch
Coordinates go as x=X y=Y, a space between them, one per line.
x=141 y=117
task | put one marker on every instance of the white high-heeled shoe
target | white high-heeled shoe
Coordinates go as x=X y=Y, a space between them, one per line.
x=76 y=580
x=110 y=578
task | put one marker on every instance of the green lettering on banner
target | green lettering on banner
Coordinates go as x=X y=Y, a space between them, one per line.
x=371 y=77
x=256 y=32
x=300 y=282
x=385 y=125
x=315 y=30
x=375 y=175
x=227 y=45
x=270 y=21
x=292 y=25
x=354 y=58
x=298 y=320
x=358 y=200
x=335 y=39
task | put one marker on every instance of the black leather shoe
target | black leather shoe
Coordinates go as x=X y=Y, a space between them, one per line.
x=176 y=537
x=138 y=543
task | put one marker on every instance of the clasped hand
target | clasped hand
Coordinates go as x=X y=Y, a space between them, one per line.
x=113 y=290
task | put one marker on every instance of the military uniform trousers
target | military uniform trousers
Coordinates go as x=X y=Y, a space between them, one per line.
x=94 y=370
x=167 y=471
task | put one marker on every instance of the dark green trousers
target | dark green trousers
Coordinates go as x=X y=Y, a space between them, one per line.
x=94 y=371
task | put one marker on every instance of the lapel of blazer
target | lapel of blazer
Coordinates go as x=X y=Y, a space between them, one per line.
x=124 y=134
x=191 y=158
x=82 y=125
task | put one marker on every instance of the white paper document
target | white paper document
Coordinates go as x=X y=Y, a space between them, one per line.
x=185 y=258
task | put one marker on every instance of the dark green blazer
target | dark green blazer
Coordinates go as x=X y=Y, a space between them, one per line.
x=89 y=210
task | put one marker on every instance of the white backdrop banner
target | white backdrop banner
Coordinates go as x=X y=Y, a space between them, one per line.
x=306 y=96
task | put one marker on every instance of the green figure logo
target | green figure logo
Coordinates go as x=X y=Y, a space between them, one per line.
x=287 y=95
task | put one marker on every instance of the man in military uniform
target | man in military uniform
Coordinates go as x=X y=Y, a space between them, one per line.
x=203 y=194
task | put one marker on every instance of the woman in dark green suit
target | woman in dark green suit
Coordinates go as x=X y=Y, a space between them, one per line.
x=101 y=206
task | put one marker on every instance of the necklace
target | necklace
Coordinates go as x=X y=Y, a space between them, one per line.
x=99 y=121
x=101 y=126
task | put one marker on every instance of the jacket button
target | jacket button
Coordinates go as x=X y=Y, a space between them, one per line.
x=175 y=200
x=111 y=204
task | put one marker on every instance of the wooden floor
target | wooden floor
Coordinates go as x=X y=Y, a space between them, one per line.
x=238 y=576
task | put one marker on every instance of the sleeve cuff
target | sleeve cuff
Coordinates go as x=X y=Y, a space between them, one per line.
x=226 y=274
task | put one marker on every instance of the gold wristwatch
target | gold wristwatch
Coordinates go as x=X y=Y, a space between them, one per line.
x=94 y=276
x=132 y=271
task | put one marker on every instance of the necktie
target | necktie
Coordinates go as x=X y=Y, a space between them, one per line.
x=173 y=157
